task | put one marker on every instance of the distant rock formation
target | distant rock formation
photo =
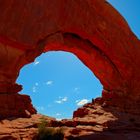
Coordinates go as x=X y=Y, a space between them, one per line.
x=92 y=30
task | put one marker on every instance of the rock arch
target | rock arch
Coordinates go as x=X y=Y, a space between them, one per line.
x=93 y=30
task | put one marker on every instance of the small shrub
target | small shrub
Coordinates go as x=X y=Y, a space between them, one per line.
x=49 y=133
x=43 y=124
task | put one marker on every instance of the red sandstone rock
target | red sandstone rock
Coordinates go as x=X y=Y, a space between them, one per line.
x=98 y=35
x=81 y=112
x=21 y=128
x=15 y=105
x=92 y=30
x=100 y=123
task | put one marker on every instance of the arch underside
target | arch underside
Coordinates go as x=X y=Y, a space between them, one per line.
x=95 y=59
x=93 y=30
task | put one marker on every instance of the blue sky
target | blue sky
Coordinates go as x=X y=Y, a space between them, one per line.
x=58 y=82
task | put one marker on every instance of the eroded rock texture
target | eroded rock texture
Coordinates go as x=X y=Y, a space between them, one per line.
x=91 y=29
x=15 y=105
x=98 y=122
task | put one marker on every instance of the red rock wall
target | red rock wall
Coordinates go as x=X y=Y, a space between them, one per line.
x=91 y=29
x=15 y=105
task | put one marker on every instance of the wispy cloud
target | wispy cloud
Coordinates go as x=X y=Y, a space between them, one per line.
x=34 y=89
x=58 y=114
x=77 y=101
x=77 y=90
x=40 y=108
x=64 y=99
x=36 y=84
x=58 y=102
x=61 y=100
x=49 y=82
x=82 y=102
x=36 y=62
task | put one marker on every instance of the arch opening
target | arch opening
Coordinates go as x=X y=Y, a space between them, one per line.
x=58 y=83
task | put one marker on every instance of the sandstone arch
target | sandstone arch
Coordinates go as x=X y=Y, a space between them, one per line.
x=93 y=30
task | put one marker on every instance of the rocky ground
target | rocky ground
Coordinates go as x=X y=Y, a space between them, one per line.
x=92 y=121
x=20 y=128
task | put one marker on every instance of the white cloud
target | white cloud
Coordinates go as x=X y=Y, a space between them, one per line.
x=58 y=114
x=36 y=62
x=36 y=84
x=64 y=99
x=58 y=102
x=61 y=100
x=82 y=102
x=34 y=89
x=58 y=119
x=77 y=101
x=49 y=82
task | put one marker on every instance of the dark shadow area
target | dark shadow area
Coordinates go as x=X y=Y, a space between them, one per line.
x=120 y=123
x=108 y=136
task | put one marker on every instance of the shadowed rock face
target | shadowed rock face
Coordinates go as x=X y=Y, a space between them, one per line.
x=91 y=29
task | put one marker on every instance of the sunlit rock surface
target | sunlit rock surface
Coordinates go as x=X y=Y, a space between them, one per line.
x=100 y=122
